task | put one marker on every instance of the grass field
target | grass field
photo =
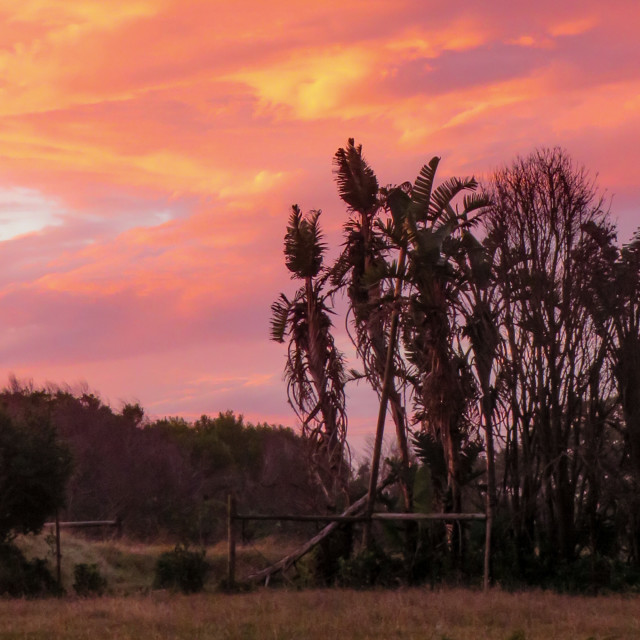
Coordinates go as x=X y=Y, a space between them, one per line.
x=408 y=613
x=129 y=566
x=132 y=610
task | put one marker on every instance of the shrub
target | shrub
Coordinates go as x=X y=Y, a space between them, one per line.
x=22 y=577
x=370 y=568
x=181 y=570
x=88 y=580
x=327 y=557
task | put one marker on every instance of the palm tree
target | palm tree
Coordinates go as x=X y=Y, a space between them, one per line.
x=440 y=376
x=314 y=367
x=423 y=222
x=361 y=270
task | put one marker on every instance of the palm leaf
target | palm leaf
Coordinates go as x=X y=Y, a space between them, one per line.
x=474 y=201
x=422 y=188
x=279 y=318
x=446 y=192
x=398 y=202
x=303 y=244
x=357 y=182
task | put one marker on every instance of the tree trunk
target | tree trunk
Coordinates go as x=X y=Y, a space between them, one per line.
x=384 y=397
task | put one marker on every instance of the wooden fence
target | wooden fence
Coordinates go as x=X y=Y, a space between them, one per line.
x=80 y=524
x=233 y=516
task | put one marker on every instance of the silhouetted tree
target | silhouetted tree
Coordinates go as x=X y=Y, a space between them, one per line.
x=611 y=291
x=552 y=349
x=34 y=469
x=314 y=368
x=362 y=269
x=437 y=241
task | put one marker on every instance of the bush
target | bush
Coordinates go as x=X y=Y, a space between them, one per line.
x=22 y=577
x=181 y=569
x=88 y=580
x=370 y=568
x=327 y=557
x=34 y=469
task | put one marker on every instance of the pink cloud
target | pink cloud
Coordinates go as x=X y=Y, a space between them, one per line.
x=163 y=142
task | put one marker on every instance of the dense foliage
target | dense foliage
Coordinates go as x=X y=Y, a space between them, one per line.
x=516 y=371
x=34 y=469
x=165 y=478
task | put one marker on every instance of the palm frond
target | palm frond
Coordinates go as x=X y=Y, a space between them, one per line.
x=303 y=244
x=357 y=182
x=474 y=201
x=422 y=188
x=279 y=318
x=446 y=192
x=398 y=202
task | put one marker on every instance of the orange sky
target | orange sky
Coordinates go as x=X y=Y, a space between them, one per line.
x=150 y=150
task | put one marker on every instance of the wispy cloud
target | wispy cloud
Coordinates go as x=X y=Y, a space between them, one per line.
x=150 y=150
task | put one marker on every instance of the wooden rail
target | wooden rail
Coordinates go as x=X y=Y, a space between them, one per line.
x=364 y=518
x=84 y=524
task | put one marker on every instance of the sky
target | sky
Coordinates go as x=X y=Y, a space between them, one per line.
x=150 y=151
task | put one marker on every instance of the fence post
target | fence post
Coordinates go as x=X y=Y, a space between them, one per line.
x=231 y=540
x=487 y=544
x=58 y=553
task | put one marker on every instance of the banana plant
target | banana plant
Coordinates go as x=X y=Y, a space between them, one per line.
x=314 y=368
x=360 y=270
x=431 y=234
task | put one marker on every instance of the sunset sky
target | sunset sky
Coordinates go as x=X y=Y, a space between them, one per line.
x=150 y=151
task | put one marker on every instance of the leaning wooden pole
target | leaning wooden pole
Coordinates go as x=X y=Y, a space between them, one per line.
x=290 y=559
x=384 y=400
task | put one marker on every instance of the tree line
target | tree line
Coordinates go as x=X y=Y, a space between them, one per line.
x=165 y=479
x=500 y=324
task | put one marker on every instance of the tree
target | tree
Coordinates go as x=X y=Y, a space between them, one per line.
x=479 y=307
x=551 y=361
x=360 y=269
x=612 y=293
x=314 y=367
x=435 y=237
x=34 y=470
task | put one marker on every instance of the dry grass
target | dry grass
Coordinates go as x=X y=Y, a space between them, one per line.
x=281 y=614
x=129 y=566
x=452 y=614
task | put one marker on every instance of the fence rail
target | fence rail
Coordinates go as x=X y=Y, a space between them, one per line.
x=362 y=518
x=85 y=524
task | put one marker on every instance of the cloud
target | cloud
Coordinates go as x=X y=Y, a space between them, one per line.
x=24 y=211
x=150 y=151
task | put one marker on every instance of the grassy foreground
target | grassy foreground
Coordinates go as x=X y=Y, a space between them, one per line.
x=133 y=611
x=408 y=613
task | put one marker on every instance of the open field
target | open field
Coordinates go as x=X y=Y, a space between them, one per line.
x=453 y=614
x=133 y=610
